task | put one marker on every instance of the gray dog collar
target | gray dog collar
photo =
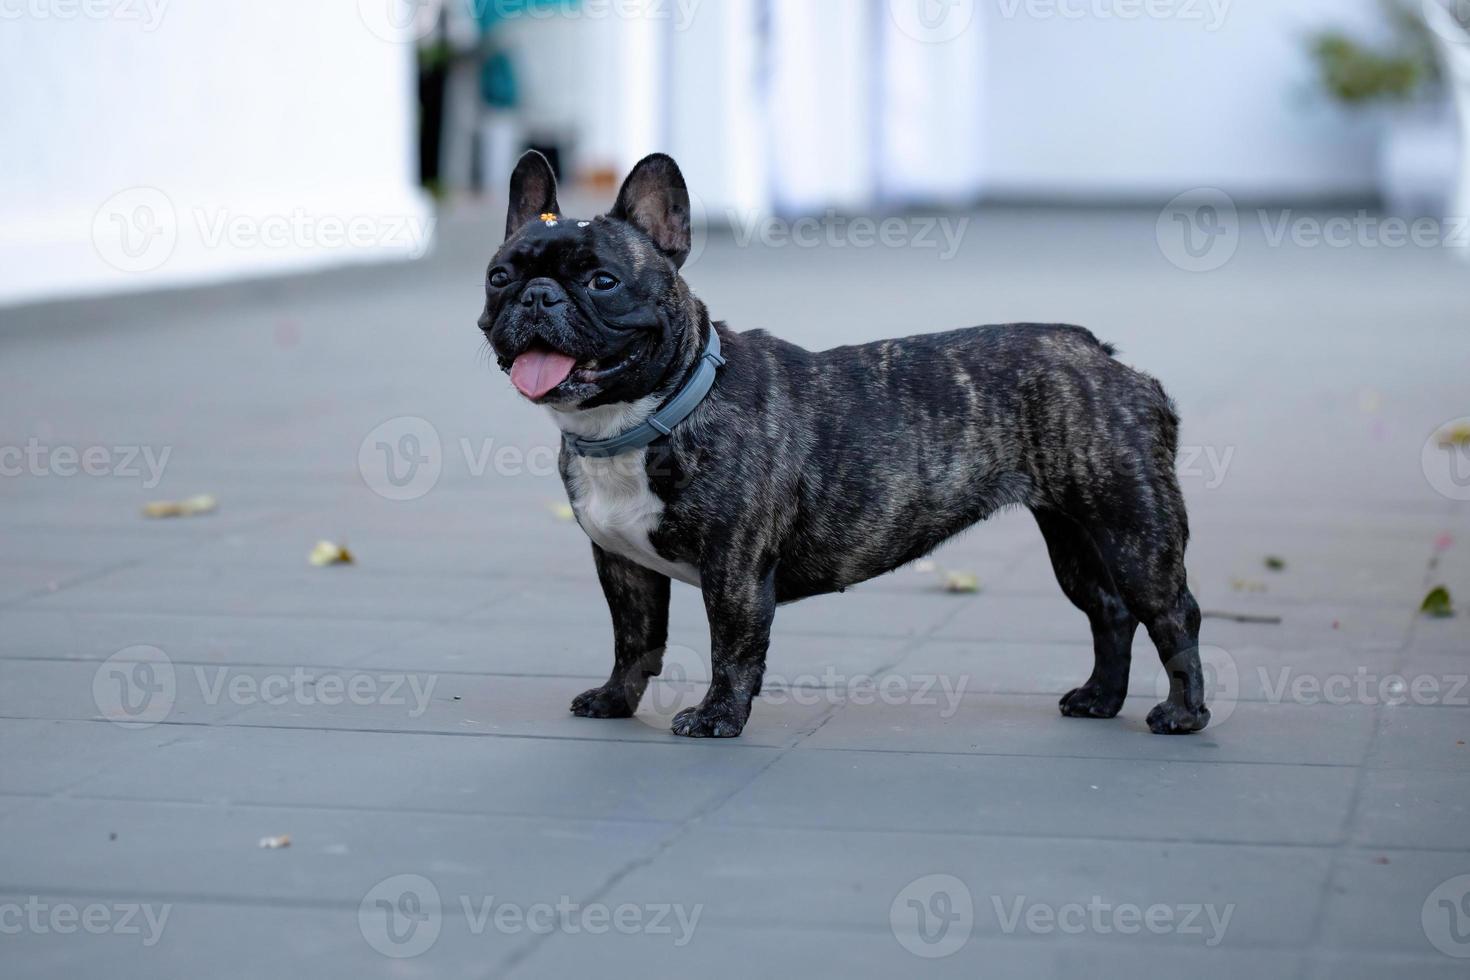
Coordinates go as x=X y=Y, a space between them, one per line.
x=662 y=422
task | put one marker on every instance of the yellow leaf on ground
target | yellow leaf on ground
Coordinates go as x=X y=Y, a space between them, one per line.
x=961 y=582
x=330 y=553
x=203 y=503
x=1455 y=435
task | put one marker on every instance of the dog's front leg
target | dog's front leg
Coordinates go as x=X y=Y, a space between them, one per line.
x=639 y=602
x=740 y=603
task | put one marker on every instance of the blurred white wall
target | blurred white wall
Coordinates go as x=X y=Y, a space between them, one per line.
x=823 y=123
x=617 y=88
x=717 y=128
x=1220 y=92
x=156 y=143
x=590 y=83
x=849 y=102
x=932 y=112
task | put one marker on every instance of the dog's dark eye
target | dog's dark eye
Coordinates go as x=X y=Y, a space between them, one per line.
x=602 y=282
x=499 y=278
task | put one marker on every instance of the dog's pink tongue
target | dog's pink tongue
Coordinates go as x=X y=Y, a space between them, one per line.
x=536 y=372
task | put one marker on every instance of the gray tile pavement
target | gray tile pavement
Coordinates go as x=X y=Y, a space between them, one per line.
x=906 y=786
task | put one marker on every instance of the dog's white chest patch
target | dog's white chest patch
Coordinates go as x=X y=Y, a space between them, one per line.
x=611 y=497
x=619 y=510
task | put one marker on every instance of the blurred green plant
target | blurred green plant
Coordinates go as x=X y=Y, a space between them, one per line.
x=1357 y=75
x=1401 y=68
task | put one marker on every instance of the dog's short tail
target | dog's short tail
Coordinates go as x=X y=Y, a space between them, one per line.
x=1091 y=338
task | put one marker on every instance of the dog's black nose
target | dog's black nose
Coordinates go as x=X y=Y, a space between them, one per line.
x=542 y=294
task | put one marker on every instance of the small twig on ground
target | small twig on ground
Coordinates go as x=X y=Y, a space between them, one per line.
x=1242 y=617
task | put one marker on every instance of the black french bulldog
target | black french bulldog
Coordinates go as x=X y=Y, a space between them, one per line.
x=800 y=473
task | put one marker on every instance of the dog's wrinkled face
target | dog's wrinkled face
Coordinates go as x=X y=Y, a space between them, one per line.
x=584 y=313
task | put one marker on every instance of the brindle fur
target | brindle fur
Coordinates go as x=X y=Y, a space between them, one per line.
x=804 y=473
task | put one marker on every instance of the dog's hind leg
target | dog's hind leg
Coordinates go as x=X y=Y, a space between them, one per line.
x=1084 y=577
x=1174 y=628
x=639 y=602
x=1148 y=566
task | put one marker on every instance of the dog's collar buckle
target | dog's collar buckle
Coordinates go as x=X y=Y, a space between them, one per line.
x=662 y=422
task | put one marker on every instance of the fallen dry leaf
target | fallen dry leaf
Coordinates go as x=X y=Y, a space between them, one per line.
x=203 y=503
x=1455 y=435
x=950 y=580
x=329 y=553
x=1437 y=603
x=961 y=582
x=276 y=843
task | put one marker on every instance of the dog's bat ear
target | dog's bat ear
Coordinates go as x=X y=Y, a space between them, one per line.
x=532 y=192
x=655 y=200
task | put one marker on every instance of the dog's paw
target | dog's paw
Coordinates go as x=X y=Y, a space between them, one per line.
x=1173 y=718
x=602 y=702
x=1090 y=702
x=706 y=721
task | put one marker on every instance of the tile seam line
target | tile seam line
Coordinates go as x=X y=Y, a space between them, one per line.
x=1349 y=825
x=515 y=959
